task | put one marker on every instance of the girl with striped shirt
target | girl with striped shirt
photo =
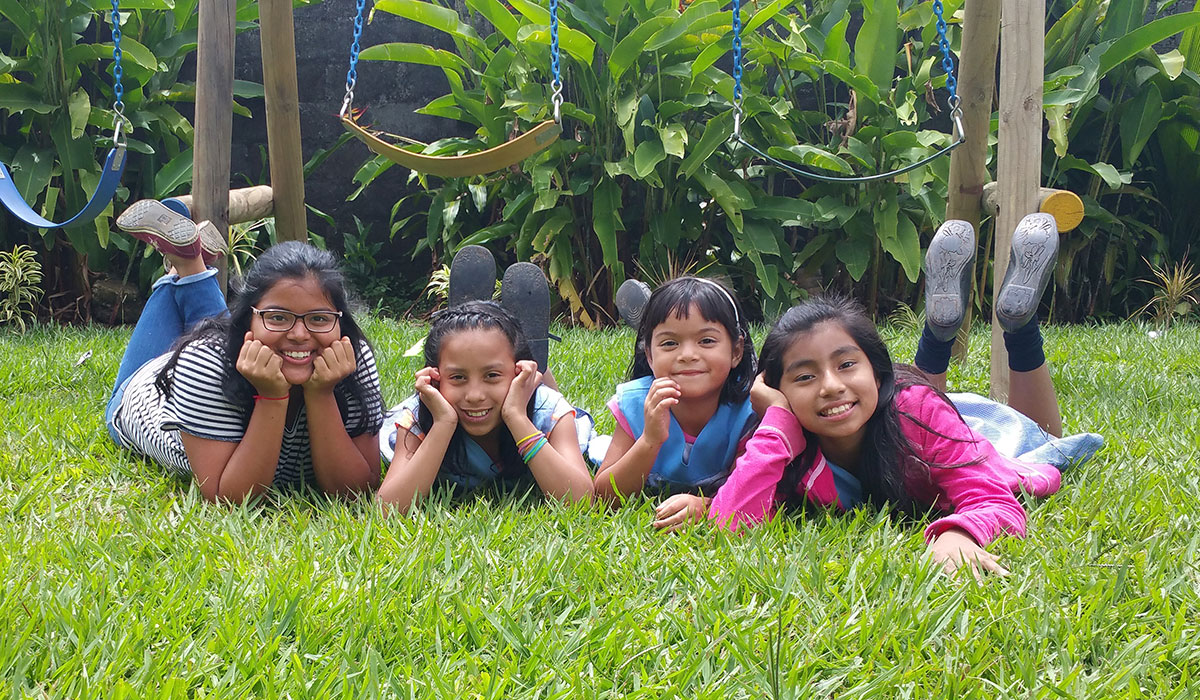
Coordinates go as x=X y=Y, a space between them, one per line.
x=279 y=390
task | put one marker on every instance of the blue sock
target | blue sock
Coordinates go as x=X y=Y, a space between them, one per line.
x=1024 y=345
x=933 y=355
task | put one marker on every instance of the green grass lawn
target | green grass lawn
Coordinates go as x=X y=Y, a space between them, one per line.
x=119 y=581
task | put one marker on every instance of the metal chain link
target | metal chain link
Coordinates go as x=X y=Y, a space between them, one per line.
x=352 y=74
x=556 y=82
x=118 y=88
x=944 y=45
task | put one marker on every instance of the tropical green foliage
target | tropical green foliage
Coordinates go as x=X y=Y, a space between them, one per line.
x=56 y=97
x=1123 y=133
x=644 y=170
x=20 y=275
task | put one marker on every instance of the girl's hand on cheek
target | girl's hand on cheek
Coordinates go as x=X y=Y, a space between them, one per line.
x=521 y=389
x=664 y=393
x=426 y=387
x=262 y=368
x=955 y=548
x=680 y=511
x=331 y=366
x=763 y=397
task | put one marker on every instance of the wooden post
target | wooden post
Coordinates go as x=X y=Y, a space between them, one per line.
x=278 y=37
x=976 y=87
x=214 y=115
x=1019 y=152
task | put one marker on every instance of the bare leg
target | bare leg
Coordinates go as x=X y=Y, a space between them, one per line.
x=1032 y=393
x=185 y=267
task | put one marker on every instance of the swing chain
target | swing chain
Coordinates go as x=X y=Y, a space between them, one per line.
x=119 y=119
x=556 y=83
x=737 y=70
x=352 y=74
x=947 y=59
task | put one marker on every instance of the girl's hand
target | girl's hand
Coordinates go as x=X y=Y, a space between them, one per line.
x=955 y=547
x=520 y=390
x=680 y=511
x=664 y=393
x=763 y=397
x=426 y=386
x=262 y=368
x=334 y=364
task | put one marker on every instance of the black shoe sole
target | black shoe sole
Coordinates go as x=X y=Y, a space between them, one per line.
x=525 y=294
x=472 y=275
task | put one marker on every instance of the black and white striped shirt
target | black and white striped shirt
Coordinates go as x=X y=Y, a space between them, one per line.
x=150 y=423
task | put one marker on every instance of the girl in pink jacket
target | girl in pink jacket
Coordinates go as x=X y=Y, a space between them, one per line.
x=842 y=426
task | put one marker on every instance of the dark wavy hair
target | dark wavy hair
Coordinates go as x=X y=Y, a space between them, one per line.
x=291 y=260
x=716 y=304
x=475 y=315
x=887 y=457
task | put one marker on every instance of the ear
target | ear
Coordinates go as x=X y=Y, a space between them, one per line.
x=739 y=347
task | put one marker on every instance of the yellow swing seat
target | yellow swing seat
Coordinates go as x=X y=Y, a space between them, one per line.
x=496 y=158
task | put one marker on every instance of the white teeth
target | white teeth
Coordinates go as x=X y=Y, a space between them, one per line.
x=475 y=414
x=296 y=355
x=837 y=410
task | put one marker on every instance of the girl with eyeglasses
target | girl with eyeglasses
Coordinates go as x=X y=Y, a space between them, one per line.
x=279 y=390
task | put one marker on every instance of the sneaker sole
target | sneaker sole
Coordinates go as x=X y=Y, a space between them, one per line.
x=1031 y=261
x=472 y=275
x=212 y=244
x=525 y=294
x=165 y=230
x=631 y=299
x=947 y=277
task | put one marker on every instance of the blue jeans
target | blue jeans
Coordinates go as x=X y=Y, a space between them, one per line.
x=176 y=304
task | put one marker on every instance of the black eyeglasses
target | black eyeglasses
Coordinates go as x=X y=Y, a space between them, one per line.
x=280 y=321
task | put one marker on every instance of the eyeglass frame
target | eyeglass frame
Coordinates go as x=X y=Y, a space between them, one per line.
x=296 y=317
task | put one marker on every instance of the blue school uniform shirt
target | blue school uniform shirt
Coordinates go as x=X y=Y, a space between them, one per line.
x=705 y=463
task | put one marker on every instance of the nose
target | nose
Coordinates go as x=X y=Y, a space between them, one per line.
x=474 y=392
x=688 y=351
x=298 y=331
x=832 y=384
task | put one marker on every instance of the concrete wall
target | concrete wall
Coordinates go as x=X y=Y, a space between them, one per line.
x=391 y=92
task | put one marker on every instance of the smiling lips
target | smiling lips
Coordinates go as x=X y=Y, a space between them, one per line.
x=477 y=415
x=297 y=355
x=839 y=410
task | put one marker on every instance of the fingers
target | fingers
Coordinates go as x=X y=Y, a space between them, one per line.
x=679 y=511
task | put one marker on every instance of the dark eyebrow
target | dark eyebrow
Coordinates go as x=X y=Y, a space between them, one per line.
x=840 y=352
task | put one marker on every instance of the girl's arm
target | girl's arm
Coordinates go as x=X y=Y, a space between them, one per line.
x=557 y=466
x=342 y=465
x=628 y=462
x=417 y=461
x=978 y=491
x=748 y=496
x=237 y=471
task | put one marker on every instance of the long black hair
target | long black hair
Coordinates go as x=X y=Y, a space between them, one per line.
x=717 y=305
x=475 y=315
x=291 y=260
x=887 y=458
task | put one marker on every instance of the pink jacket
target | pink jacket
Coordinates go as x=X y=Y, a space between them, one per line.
x=978 y=497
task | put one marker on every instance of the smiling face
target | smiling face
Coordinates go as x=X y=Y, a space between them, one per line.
x=694 y=351
x=831 y=388
x=476 y=368
x=299 y=346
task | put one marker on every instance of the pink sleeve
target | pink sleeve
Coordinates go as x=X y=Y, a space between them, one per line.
x=619 y=416
x=979 y=494
x=748 y=496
